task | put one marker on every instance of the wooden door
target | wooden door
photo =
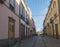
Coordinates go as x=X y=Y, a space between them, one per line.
x=11 y=28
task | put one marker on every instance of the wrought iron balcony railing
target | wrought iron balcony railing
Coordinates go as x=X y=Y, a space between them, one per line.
x=51 y=21
x=27 y=21
x=22 y=17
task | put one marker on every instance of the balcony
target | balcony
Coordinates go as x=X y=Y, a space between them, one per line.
x=2 y=1
x=27 y=22
x=51 y=21
x=55 y=15
x=12 y=8
x=23 y=18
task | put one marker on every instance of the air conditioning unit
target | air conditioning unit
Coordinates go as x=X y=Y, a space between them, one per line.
x=2 y=1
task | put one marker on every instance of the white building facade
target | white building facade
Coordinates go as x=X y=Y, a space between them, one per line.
x=14 y=21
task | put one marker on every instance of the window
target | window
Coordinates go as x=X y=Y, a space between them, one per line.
x=22 y=11
x=59 y=5
x=27 y=19
x=11 y=3
x=54 y=5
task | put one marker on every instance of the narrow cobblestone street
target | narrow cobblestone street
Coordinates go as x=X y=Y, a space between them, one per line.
x=29 y=23
x=50 y=42
x=39 y=41
x=32 y=42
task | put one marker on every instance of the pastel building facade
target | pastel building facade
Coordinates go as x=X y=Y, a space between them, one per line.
x=52 y=20
x=14 y=21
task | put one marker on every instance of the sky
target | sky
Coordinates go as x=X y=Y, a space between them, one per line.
x=39 y=9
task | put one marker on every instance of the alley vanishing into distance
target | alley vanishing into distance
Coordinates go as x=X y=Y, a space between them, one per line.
x=35 y=41
x=29 y=23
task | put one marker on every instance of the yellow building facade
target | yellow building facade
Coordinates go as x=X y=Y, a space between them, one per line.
x=52 y=19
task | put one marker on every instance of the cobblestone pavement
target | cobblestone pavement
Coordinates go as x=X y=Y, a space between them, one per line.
x=39 y=41
x=32 y=42
x=50 y=42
